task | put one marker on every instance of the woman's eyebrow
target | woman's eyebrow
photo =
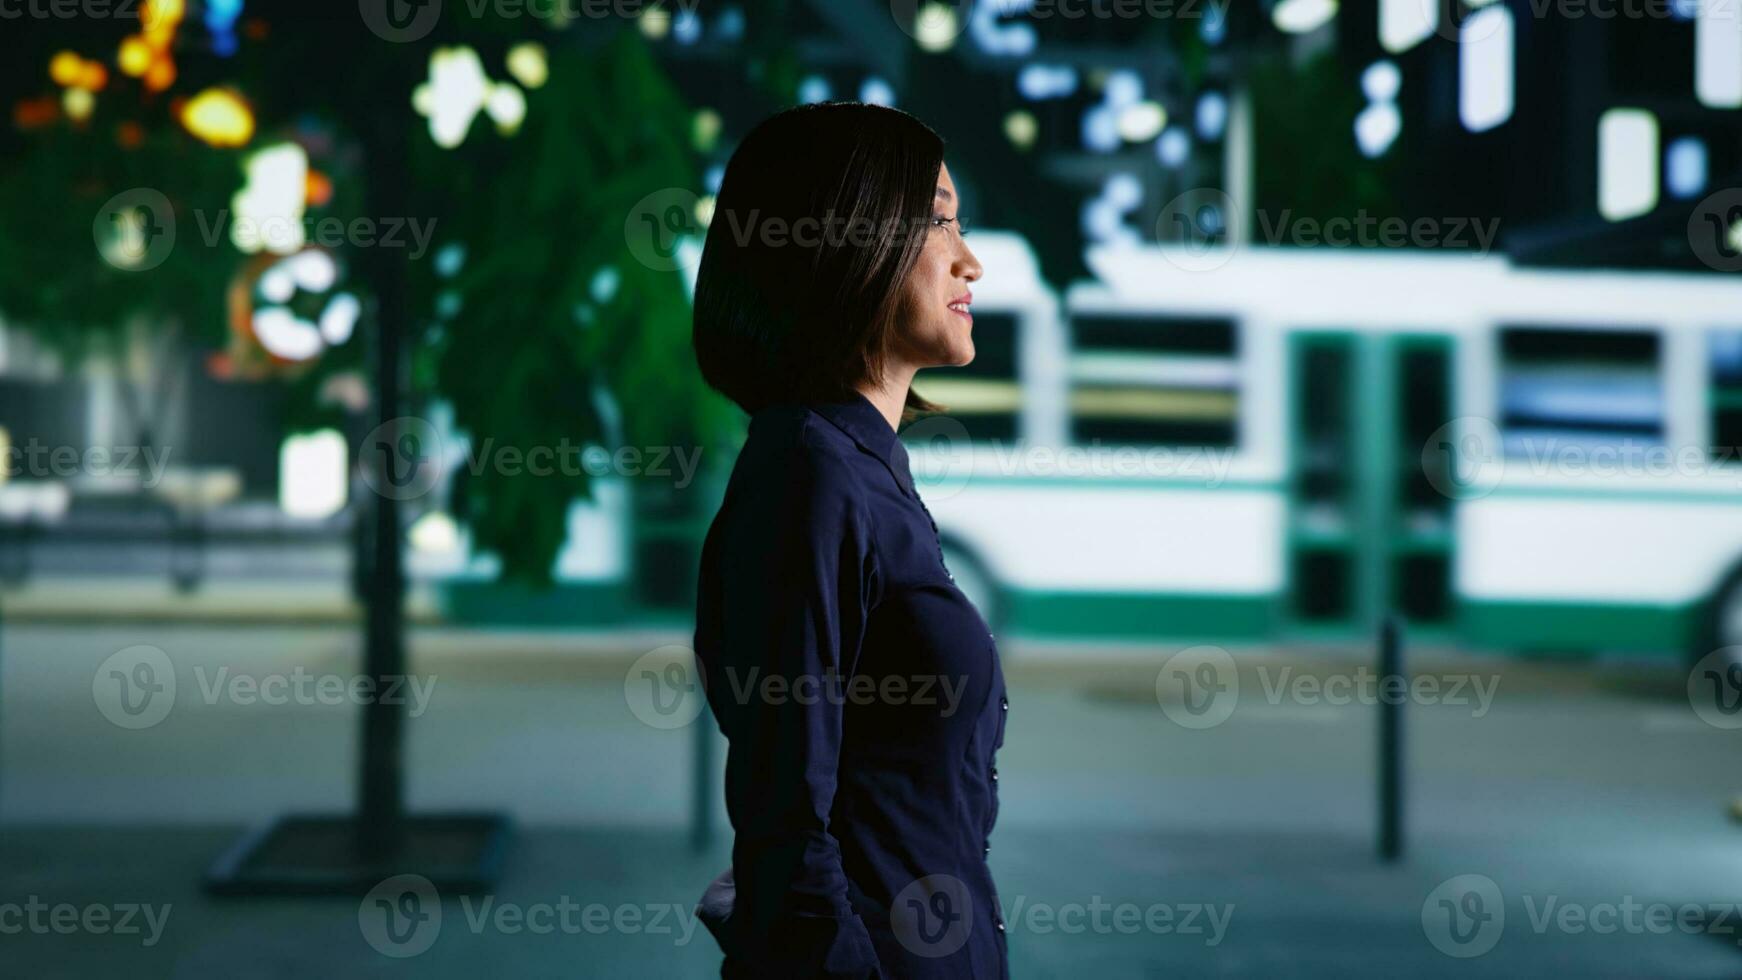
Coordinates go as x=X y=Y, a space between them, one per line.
x=944 y=192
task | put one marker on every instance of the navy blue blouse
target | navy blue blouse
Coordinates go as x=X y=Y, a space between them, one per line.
x=861 y=695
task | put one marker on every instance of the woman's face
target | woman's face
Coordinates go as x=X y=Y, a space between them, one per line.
x=934 y=327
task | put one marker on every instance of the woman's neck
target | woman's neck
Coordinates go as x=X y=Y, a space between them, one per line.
x=891 y=396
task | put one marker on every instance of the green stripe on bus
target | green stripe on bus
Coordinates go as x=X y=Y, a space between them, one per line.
x=1113 y=614
x=1577 y=627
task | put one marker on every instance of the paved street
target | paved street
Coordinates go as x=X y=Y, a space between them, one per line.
x=1591 y=797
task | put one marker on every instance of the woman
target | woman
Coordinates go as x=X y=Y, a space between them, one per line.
x=858 y=688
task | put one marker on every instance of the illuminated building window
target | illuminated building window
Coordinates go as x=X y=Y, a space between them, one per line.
x=1626 y=163
x=1485 y=69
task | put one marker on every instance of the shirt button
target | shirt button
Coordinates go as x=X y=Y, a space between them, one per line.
x=1000 y=925
x=1004 y=704
x=988 y=848
x=994 y=773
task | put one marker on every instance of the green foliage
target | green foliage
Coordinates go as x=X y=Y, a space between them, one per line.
x=540 y=216
x=58 y=285
x=1304 y=144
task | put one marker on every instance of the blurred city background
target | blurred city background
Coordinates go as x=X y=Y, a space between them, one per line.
x=1349 y=470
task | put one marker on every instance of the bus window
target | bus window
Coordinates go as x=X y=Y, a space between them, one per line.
x=1727 y=396
x=1154 y=380
x=984 y=395
x=1568 y=388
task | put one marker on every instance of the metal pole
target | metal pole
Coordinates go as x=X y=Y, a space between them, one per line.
x=380 y=791
x=702 y=784
x=1391 y=738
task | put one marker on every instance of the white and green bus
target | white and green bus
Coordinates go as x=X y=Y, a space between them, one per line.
x=1285 y=444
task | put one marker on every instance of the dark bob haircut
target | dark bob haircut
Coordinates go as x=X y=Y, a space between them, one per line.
x=819 y=220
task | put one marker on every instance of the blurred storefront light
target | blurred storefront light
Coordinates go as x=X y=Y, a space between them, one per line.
x=1718 y=54
x=1139 y=122
x=1684 y=166
x=1174 y=147
x=435 y=533
x=876 y=91
x=528 y=64
x=655 y=22
x=1381 y=81
x=997 y=36
x=1021 y=128
x=1627 y=153
x=78 y=103
x=1485 y=69
x=1403 y=24
x=1040 y=82
x=1377 y=127
x=814 y=88
x=454 y=95
x=935 y=27
x=1212 y=115
x=686 y=27
x=312 y=474
x=269 y=208
x=219 y=117
x=506 y=107
x=1302 y=16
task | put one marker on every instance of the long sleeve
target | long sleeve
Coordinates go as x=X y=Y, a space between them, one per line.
x=795 y=588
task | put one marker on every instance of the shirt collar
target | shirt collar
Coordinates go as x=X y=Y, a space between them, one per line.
x=866 y=426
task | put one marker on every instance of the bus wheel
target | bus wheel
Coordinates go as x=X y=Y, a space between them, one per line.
x=974 y=582
x=1724 y=620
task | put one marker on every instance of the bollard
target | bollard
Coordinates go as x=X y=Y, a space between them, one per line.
x=1391 y=739
x=702 y=785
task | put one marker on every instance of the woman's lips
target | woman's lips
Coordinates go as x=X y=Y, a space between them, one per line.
x=960 y=307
